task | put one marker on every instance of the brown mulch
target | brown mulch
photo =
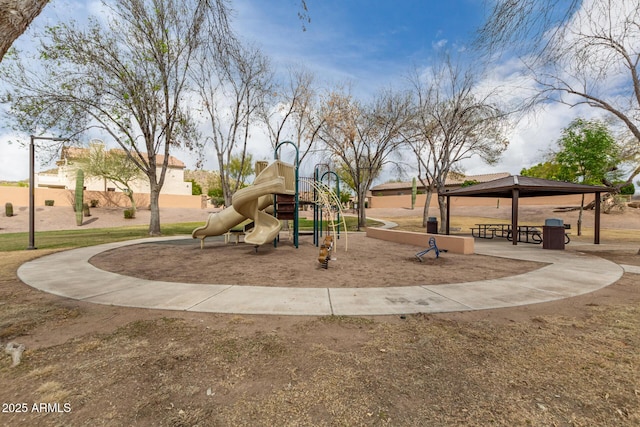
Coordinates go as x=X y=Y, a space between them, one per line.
x=365 y=263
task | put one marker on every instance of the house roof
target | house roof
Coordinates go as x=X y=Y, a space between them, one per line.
x=452 y=179
x=526 y=186
x=75 y=152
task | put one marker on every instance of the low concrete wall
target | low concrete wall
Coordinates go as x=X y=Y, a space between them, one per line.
x=455 y=244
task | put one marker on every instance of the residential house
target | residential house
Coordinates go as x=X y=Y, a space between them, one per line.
x=64 y=176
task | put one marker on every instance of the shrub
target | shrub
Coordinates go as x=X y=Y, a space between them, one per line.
x=217 y=201
x=48 y=202
x=628 y=190
x=129 y=213
x=196 y=189
x=94 y=203
x=215 y=192
x=469 y=183
x=8 y=209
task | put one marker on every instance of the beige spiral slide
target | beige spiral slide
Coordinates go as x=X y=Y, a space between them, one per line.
x=250 y=203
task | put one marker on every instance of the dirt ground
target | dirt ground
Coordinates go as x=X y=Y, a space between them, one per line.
x=567 y=362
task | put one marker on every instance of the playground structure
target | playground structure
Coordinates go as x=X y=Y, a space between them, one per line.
x=251 y=203
x=256 y=211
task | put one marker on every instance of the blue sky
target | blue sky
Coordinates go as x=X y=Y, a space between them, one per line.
x=369 y=44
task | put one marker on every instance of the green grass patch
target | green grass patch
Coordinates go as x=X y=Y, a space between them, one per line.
x=352 y=223
x=90 y=237
x=64 y=239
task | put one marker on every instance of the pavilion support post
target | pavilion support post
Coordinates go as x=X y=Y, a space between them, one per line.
x=596 y=228
x=514 y=215
x=448 y=215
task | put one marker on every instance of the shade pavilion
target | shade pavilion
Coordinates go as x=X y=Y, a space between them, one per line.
x=516 y=186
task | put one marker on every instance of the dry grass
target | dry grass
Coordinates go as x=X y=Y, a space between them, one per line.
x=569 y=362
x=425 y=370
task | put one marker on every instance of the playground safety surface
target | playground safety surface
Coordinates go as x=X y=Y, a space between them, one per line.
x=567 y=273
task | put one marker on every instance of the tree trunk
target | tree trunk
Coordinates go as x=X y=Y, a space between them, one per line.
x=362 y=214
x=224 y=180
x=425 y=212
x=580 y=216
x=129 y=193
x=154 y=223
x=15 y=18
x=442 y=203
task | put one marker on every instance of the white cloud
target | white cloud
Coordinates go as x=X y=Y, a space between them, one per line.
x=439 y=44
x=14 y=159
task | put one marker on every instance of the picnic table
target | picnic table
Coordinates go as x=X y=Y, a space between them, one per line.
x=489 y=231
x=524 y=233
x=527 y=234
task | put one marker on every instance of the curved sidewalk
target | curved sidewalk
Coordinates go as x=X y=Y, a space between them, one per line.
x=567 y=274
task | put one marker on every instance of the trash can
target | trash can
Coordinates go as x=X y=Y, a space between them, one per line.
x=432 y=225
x=553 y=234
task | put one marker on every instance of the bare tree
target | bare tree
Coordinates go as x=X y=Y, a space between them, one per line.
x=586 y=53
x=127 y=77
x=231 y=92
x=452 y=121
x=15 y=18
x=523 y=27
x=363 y=137
x=289 y=112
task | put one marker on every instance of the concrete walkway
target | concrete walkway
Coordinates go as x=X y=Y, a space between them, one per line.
x=567 y=274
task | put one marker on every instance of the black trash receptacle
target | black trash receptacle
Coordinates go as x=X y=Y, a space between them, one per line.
x=553 y=234
x=432 y=225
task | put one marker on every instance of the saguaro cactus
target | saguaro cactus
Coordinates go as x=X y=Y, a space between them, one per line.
x=8 y=209
x=79 y=195
x=414 y=192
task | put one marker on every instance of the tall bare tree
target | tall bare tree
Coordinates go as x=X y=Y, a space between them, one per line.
x=579 y=53
x=15 y=18
x=289 y=113
x=362 y=137
x=231 y=90
x=452 y=121
x=125 y=74
x=523 y=27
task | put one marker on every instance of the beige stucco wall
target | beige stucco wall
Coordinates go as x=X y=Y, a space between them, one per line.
x=404 y=201
x=174 y=182
x=19 y=196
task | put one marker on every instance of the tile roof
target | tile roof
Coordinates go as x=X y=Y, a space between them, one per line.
x=452 y=179
x=75 y=152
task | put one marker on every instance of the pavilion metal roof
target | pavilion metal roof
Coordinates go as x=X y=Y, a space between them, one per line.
x=516 y=186
x=526 y=186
